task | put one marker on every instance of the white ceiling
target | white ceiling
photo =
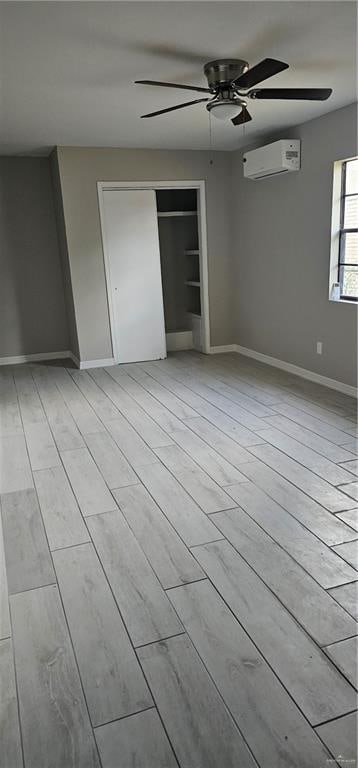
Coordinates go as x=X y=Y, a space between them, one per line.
x=68 y=68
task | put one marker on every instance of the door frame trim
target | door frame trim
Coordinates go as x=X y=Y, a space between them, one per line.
x=203 y=246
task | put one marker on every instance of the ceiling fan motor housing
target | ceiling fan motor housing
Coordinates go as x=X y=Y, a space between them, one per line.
x=222 y=72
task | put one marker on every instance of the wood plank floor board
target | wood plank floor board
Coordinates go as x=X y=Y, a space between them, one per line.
x=207 y=458
x=347 y=597
x=190 y=522
x=103 y=405
x=344 y=423
x=223 y=444
x=169 y=557
x=140 y=740
x=351 y=489
x=207 y=494
x=272 y=725
x=245 y=381
x=351 y=465
x=65 y=431
x=85 y=417
x=168 y=399
x=240 y=434
x=351 y=445
x=55 y=725
x=217 y=417
x=10 y=740
x=155 y=410
x=27 y=556
x=316 y=686
x=247 y=403
x=63 y=521
x=318 y=464
x=111 y=676
x=315 y=425
x=308 y=602
x=236 y=378
x=181 y=391
x=318 y=489
x=15 y=471
x=88 y=485
x=318 y=394
x=41 y=446
x=340 y=736
x=150 y=432
x=30 y=404
x=345 y=656
x=10 y=419
x=130 y=443
x=350 y=517
x=144 y=606
x=305 y=436
x=319 y=521
x=113 y=466
x=349 y=552
x=312 y=554
x=216 y=376
x=235 y=411
x=241 y=374
x=198 y=724
x=5 y=629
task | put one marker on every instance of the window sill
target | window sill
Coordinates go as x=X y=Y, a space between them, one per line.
x=353 y=302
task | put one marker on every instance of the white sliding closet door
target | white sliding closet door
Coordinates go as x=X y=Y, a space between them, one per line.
x=131 y=242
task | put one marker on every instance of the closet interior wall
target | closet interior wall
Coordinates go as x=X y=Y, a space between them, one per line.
x=180 y=259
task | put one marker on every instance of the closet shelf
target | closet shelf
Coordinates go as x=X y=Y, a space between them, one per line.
x=195 y=283
x=162 y=214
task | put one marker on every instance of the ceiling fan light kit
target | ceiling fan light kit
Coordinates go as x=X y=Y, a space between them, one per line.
x=225 y=107
x=231 y=82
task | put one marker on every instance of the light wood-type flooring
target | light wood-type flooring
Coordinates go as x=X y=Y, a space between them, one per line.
x=178 y=567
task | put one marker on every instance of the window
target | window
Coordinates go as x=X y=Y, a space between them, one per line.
x=348 y=233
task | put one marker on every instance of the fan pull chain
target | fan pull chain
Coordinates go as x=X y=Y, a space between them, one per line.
x=210 y=139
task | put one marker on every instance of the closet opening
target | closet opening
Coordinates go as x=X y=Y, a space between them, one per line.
x=180 y=267
x=155 y=259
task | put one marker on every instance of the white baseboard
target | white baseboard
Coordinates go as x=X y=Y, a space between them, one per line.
x=347 y=389
x=177 y=340
x=17 y=359
x=83 y=364
x=223 y=348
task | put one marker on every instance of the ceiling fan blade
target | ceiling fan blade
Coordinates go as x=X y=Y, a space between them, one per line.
x=260 y=72
x=243 y=117
x=171 y=109
x=174 y=85
x=309 y=94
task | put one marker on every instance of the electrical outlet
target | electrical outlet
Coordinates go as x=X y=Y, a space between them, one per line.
x=319 y=347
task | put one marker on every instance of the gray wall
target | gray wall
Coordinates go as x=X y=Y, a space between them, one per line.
x=281 y=240
x=32 y=309
x=62 y=242
x=176 y=235
x=80 y=169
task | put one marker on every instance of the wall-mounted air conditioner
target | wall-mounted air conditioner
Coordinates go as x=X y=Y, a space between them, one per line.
x=281 y=156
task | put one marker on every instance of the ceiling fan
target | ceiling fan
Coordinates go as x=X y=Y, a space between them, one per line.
x=231 y=82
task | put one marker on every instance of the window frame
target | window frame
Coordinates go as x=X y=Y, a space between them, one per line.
x=343 y=231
